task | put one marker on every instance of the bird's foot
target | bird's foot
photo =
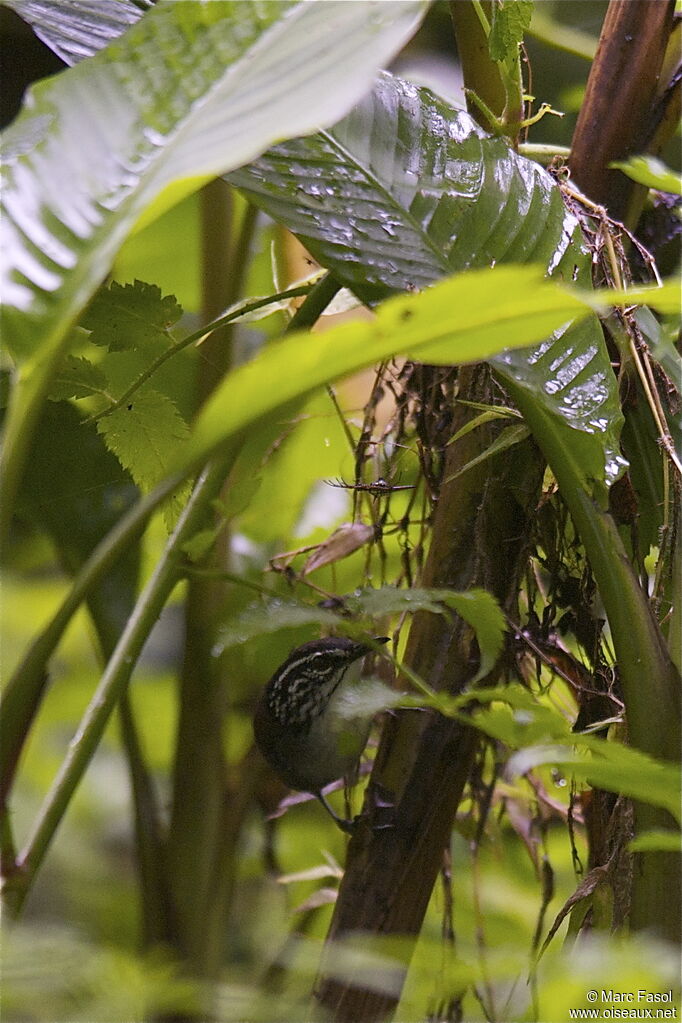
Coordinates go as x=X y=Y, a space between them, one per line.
x=382 y=807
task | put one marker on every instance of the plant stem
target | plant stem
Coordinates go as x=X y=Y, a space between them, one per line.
x=616 y=112
x=112 y=685
x=650 y=681
x=23 y=691
x=205 y=826
x=481 y=74
x=479 y=538
x=199 y=768
x=156 y=908
x=543 y=153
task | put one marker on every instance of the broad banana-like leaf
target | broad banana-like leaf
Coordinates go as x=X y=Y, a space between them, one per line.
x=407 y=189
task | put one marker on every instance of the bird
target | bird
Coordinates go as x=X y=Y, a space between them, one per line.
x=311 y=722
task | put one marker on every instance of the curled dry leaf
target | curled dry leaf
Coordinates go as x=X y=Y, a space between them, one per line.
x=596 y=877
x=345 y=540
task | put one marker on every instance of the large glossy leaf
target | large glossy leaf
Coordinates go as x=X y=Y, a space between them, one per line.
x=406 y=189
x=81 y=27
x=190 y=91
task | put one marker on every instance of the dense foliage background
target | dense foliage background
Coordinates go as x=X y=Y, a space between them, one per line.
x=157 y=877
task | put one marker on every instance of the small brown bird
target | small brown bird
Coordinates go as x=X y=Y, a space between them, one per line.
x=311 y=723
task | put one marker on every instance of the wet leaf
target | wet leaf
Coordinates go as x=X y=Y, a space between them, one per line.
x=407 y=189
x=187 y=93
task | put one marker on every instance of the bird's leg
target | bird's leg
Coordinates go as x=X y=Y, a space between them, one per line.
x=345 y=825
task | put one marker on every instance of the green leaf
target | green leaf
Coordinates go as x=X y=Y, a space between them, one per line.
x=260 y=620
x=665 y=297
x=200 y=544
x=306 y=446
x=405 y=190
x=649 y=171
x=510 y=19
x=144 y=436
x=216 y=98
x=123 y=316
x=657 y=841
x=478 y=607
x=74 y=489
x=610 y=766
x=569 y=381
x=77 y=377
x=661 y=347
x=543 y=736
x=510 y=436
x=467 y=318
x=189 y=92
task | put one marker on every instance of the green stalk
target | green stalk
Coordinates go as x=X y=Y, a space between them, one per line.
x=112 y=685
x=23 y=691
x=494 y=89
x=481 y=74
x=650 y=680
x=205 y=827
x=156 y=906
x=199 y=763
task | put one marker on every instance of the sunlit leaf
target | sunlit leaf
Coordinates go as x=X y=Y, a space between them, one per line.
x=468 y=318
x=649 y=171
x=543 y=735
x=662 y=841
x=610 y=766
x=665 y=298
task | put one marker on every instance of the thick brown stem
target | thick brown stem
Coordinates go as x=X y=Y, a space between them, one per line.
x=423 y=762
x=615 y=118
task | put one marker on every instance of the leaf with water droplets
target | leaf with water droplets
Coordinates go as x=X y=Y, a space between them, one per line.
x=406 y=190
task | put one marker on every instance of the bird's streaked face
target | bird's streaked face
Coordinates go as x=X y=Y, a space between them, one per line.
x=300 y=690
